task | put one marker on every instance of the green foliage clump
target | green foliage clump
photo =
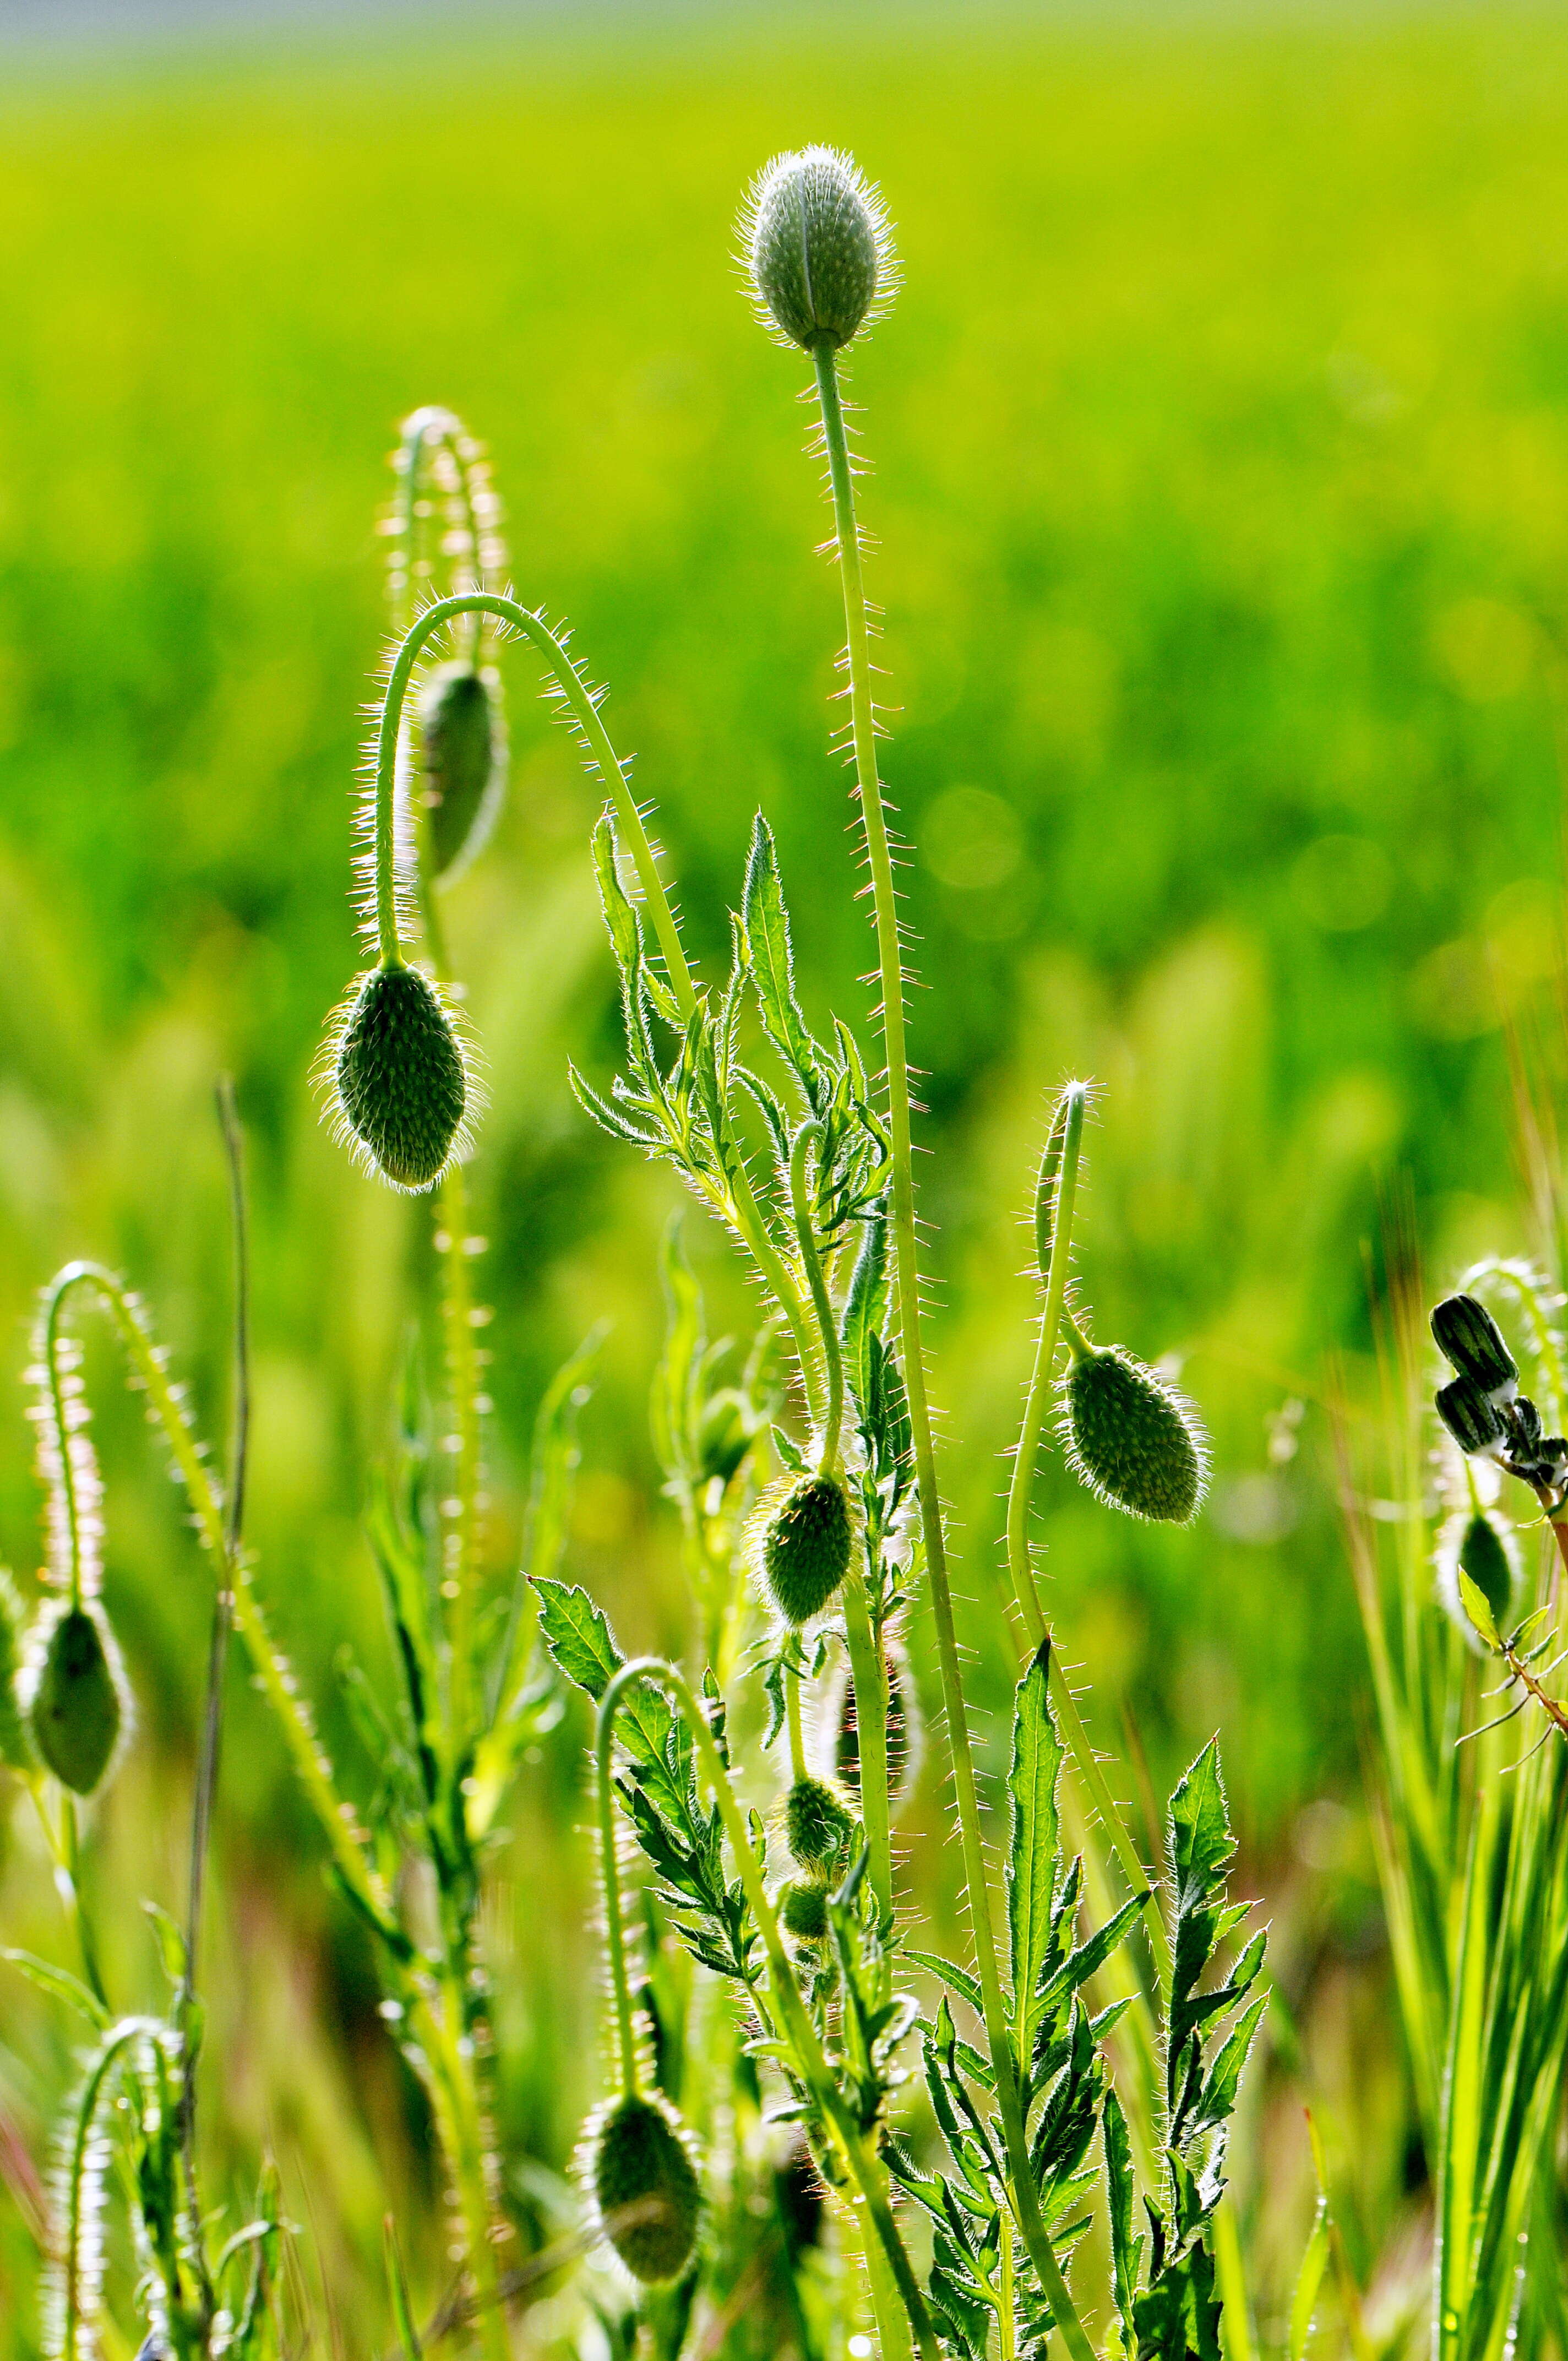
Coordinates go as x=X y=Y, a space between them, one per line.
x=1132 y=1438
x=646 y=2188
x=401 y=1082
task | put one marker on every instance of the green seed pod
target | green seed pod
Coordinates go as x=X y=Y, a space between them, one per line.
x=803 y=1911
x=805 y=1547
x=1469 y=1416
x=647 y=2189
x=75 y=1692
x=401 y=1082
x=1484 y=1556
x=462 y=741
x=1132 y=1438
x=817 y=1824
x=15 y=1747
x=817 y=248
x=1469 y=1338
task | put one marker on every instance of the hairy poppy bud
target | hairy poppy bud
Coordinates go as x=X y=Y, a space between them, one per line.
x=16 y=1749
x=803 y=1910
x=817 y=1824
x=817 y=247
x=401 y=1083
x=1469 y=1338
x=646 y=2188
x=462 y=741
x=1469 y=1416
x=1132 y=1438
x=74 y=1693
x=805 y=1547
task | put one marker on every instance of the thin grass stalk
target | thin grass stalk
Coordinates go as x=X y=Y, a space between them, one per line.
x=906 y=1267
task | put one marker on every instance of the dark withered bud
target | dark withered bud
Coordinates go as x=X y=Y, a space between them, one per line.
x=1471 y=1341
x=1469 y=1416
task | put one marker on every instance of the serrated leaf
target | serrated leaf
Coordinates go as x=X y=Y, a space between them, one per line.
x=578 y=1634
x=1478 y=1608
x=1034 y=1862
x=1126 y=2250
x=865 y=1307
x=771 y=959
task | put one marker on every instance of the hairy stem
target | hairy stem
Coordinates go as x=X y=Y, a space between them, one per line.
x=609 y=1871
x=906 y=1263
x=868 y=1673
x=807 y=1137
x=794 y=2013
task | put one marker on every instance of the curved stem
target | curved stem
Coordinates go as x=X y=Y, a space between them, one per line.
x=610 y=1871
x=874 y=817
x=604 y=762
x=795 y=2015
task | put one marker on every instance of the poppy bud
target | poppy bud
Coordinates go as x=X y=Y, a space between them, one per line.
x=1132 y=1438
x=805 y=1547
x=646 y=2187
x=817 y=247
x=401 y=1079
x=803 y=1910
x=1469 y=1338
x=76 y=1698
x=464 y=745
x=817 y=1824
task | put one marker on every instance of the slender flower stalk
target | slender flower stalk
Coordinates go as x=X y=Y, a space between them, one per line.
x=906 y=1278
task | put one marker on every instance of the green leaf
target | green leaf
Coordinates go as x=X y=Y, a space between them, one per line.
x=61 y=1985
x=1046 y=1183
x=1479 y=1607
x=1127 y=2251
x=621 y=919
x=578 y=1634
x=865 y=1308
x=1309 y=2280
x=771 y=959
x=959 y=1979
x=1035 y=1854
x=675 y=1381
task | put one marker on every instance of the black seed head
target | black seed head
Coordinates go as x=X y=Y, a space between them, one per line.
x=803 y=1911
x=401 y=1082
x=817 y=247
x=1133 y=1439
x=817 y=1824
x=1469 y=1416
x=75 y=1700
x=1470 y=1339
x=805 y=1547
x=463 y=742
x=647 y=2189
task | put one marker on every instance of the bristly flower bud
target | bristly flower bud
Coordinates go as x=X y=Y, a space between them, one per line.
x=817 y=1824
x=401 y=1079
x=817 y=248
x=806 y=1546
x=1469 y=1416
x=15 y=1747
x=463 y=742
x=646 y=2188
x=1470 y=1339
x=803 y=1911
x=74 y=1693
x=1132 y=1438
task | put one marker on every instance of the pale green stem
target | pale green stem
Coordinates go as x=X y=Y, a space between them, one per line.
x=808 y=1137
x=742 y=1207
x=907 y=1279
x=460 y=1562
x=794 y=2013
x=796 y=1735
x=1020 y=1565
x=870 y=1676
x=609 y=1873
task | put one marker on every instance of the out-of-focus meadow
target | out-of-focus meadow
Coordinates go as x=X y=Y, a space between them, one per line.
x=1220 y=483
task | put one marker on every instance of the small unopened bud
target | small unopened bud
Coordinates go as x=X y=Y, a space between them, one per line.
x=817 y=1823
x=1469 y=1338
x=646 y=2188
x=402 y=1085
x=805 y=1547
x=1132 y=1438
x=1469 y=1416
x=462 y=741
x=817 y=247
x=75 y=1694
x=803 y=1911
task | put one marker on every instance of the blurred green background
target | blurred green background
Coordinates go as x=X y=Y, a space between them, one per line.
x=1221 y=484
